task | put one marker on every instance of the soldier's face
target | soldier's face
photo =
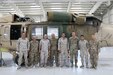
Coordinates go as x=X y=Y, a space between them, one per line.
x=45 y=36
x=33 y=38
x=53 y=35
x=82 y=38
x=63 y=35
x=23 y=35
x=93 y=37
x=73 y=34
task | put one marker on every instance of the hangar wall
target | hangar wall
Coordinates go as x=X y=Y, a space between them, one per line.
x=108 y=17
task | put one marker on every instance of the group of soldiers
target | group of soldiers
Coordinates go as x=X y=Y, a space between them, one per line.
x=61 y=52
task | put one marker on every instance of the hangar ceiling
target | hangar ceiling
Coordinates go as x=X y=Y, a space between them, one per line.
x=34 y=8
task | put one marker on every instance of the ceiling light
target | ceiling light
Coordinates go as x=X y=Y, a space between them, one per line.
x=56 y=3
x=101 y=13
x=55 y=8
x=35 y=6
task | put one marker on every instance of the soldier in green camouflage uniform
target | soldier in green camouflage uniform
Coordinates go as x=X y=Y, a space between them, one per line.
x=53 y=50
x=93 y=51
x=73 y=45
x=34 y=53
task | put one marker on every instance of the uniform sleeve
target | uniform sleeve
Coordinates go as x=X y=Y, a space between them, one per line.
x=37 y=45
x=78 y=44
x=40 y=44
x=18 y=44
x=87 y=44
x=59 y=44
x=98 y=47
x=49 y=44
x=28 y=44
x=67 y=44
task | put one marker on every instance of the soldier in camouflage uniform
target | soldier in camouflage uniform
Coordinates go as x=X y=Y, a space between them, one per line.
x=44 y=50
x=34 y=53
x=73 y=45
x=23 y=48
x=53 y=50
x=93 y=51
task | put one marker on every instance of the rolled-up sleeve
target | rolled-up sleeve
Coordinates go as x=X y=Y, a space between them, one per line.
x=40 y=44
x=59 y=44
x=49 y=44
x=28 y=45
x=17 y=45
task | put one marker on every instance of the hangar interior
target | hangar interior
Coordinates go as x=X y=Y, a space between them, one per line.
x=39 y=17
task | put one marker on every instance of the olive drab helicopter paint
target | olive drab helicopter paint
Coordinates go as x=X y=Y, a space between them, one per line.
x=65 y=22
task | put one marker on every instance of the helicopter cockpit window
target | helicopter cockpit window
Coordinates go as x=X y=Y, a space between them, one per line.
x=52 y=30
x=38 y=32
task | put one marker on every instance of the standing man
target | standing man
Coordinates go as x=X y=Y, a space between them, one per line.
x=73 y=45
x=93 y=51
x=44 y=50
x=83 y=45
x=34 y=52
x=63 y=48
x=0 y=55
x=53 y=50
x=23 y=48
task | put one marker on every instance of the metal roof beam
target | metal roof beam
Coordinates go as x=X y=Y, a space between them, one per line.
x=109 y=8
x=18 y=11
x=95 y=7
x=69 y=6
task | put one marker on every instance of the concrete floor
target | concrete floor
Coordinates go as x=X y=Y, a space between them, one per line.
x=105 y=67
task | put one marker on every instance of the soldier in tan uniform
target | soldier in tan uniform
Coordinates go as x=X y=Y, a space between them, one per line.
x=63 y=47
x=83 y=45
x=53 y=51
x=73 y=45
x=93 y=50
x=34 y=52
x=23 y=48
x=44 y=50
x=0 y=55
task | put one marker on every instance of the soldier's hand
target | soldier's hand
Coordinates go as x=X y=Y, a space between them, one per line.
x=17 y=52
x=68 y=55
x=59 y=51
x=49 y=53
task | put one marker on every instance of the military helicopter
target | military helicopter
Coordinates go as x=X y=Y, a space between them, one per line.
x=64 y=22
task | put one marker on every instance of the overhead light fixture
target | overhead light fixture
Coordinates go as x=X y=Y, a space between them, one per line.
x=32 y=8
x=76 y=8
x=11 y=9
x=101 y=13
x=56 y=8
x=5 y=34
x=35 y=6
x=56 y=3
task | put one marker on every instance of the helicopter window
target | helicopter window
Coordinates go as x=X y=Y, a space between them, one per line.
x=38 y=31
x=52 y=30
x=15 y=29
